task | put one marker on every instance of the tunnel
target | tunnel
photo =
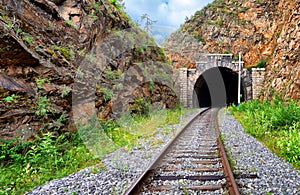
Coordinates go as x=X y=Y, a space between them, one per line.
x=217 y=87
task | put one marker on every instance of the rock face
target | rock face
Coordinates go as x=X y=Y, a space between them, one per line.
x=43 y=47
x=262 y=30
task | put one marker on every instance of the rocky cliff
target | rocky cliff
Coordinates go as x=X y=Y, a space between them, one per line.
x=266 y=32
x=43 y=47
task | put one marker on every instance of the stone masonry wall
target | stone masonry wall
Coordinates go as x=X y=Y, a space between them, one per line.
x=183 y=87
x=258 y=76
x=252 y=81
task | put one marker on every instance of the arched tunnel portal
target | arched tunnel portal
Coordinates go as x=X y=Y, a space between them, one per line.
x=217 y=86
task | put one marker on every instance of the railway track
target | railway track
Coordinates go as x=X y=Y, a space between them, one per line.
x=194 y=162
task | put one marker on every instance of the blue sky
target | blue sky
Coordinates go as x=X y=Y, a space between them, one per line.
x=170 y=14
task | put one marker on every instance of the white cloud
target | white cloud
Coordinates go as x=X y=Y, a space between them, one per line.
x=166 y=12
x=179 y=10
x=170 y=14
x=187 y=4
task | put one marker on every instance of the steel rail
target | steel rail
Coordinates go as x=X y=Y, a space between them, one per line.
x=136 y=187
x=231 y=184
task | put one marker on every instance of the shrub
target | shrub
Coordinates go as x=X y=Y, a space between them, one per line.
x=261 y=64
x=24 y=165
x=276 y=123
x=107 y=93
x=11 y=98
x=43 y=107
x=28 y=39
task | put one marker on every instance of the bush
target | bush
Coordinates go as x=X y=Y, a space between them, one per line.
x=276 y=123
x=24 y=165
x=261 y=64
x=107 y=94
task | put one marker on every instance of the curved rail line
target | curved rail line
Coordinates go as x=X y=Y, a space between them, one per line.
x=196 y=167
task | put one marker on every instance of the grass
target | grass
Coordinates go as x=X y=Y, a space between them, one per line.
x=276 y=123
x=261 y=64
x=25 y=165
x=127 y=129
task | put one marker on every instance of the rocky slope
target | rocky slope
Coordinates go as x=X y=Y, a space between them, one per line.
x=44 y=45
x=264 y=31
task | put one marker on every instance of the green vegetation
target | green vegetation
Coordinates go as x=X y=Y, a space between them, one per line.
x=107 y=93
x=261 y=64
x=66 y=51
x=104 y=136
x=243 y=9
x=95 y=5
x=215 y=4
x=135 y=124
x=111 y=74
x=199 y=37
x=276 y=123
x=140 y=50
x=226 y=52
x=43 y=107
x=200 y=12
x=40 y=82
x=217 y=22
x=19 y=31
x=235 y=57
x=161 y=53
x=117 y=4
x=9 y=26
x=69 y=23
x=28 y=39
x=11 y=98
x=24 y=165
x=151 y=86
x=141 y=106
x=230 y=13
x=241 y=22
x=65 y=91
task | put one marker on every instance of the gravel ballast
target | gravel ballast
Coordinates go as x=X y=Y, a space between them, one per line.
x=251 y=157
x=123 y=166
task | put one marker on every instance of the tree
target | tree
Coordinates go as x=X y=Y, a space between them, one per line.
x=119 y=4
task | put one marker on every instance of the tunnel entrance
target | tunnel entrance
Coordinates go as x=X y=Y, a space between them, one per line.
x=217 y=87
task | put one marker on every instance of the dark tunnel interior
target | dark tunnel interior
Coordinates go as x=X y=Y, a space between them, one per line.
x=222 y=94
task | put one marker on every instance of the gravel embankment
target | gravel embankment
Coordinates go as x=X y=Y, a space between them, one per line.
x=274 y=175
x=121 y=168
